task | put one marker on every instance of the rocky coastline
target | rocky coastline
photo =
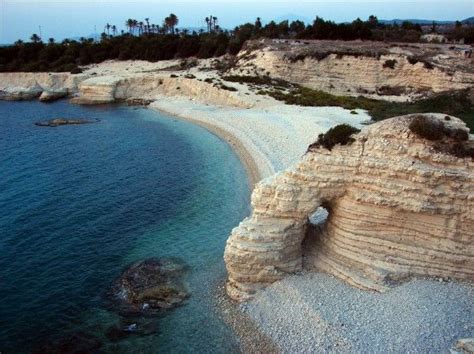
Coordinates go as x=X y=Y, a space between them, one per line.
x=271 y=139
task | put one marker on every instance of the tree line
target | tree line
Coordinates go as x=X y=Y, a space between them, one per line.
x=145 y=41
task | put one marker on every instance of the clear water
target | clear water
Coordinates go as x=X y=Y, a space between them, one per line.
x=80 y=203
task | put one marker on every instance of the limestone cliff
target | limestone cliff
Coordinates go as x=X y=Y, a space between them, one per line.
x=399 y=205
x=371 y=69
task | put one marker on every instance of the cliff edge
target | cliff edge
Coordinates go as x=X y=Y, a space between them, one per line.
x=400 y=204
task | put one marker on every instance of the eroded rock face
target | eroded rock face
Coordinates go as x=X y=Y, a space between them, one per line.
x=369 y=69
x=399 y=205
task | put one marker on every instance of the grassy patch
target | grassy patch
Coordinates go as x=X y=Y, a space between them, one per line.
x=454 y=103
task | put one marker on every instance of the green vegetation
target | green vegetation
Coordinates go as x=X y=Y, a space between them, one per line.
x=390 y=63
x=453 y=103
x=448 y=140
x=434 y=130
x=145 y=41
x=340 y=134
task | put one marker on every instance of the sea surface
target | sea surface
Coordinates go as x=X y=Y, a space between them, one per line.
x=80 y=203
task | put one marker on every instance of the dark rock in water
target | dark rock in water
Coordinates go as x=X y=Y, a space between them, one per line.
x=149 y=286
x=136 y=327
x=138 y=102
x=62 y=121
x=76 y=343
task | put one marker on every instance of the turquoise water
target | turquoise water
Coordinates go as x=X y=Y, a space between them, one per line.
x=80 y=203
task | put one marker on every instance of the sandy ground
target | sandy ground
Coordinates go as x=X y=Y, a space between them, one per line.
x=314 y=313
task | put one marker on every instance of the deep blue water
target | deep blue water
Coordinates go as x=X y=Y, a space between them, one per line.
x=80 y=203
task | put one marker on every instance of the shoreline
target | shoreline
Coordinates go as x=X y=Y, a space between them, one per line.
x=254 y=174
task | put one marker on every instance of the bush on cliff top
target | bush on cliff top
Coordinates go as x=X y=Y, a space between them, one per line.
x=448 y=140
x=340 y=134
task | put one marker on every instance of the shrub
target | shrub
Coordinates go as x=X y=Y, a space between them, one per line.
x=227 y=88
x=433 y=129
x=189 y=76
x=390 y=63
x=427 y=128
x=173 y=75
x=412 y=60
x=428 y=66
x=340 y=134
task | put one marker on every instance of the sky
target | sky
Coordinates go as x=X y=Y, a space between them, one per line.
x=60 y=19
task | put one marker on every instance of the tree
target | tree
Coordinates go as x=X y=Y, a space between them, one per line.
x=107 y=28
x=258 y=24
x=297 y=26
x=35 y=38
x=114 y=30
x=147 y=20
x=373 y=21
x=433 y=27
x=170 y=22
x=51 y=40
x=129 y=24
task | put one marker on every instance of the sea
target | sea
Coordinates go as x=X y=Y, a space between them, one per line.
x=79 y=203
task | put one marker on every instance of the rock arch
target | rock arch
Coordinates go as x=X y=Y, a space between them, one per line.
x=397 y=208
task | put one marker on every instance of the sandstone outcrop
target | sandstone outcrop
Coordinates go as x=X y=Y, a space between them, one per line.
x=369 y=69
x=399 y=205
x=53 y=95
x=26 y=86
x=107 y=89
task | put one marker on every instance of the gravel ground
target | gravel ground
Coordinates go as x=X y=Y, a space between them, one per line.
x=314 y=312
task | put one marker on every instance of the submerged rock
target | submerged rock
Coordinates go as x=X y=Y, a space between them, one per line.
x=62 y=121
x=139 y=327
x=149 y=286
x=138 y=102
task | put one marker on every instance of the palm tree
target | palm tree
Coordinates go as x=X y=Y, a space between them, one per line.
x=107 y=28
x=51 y=40
x=129 y=24
x=214 y=20
x=114 y=30
x=35 y=38
x=18 y=42
x=208 y=22
x=140 y=27
x=153 y=28
x=147 y=20
x=173 y=21
x=135 y=25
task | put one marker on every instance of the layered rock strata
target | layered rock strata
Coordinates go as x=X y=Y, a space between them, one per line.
x=398 y=206
x=369 y=69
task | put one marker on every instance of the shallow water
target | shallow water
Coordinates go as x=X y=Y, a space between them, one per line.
x=79 y=203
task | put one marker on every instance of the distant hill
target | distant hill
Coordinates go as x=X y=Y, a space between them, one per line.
x=469 y=20
x=398 y=21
